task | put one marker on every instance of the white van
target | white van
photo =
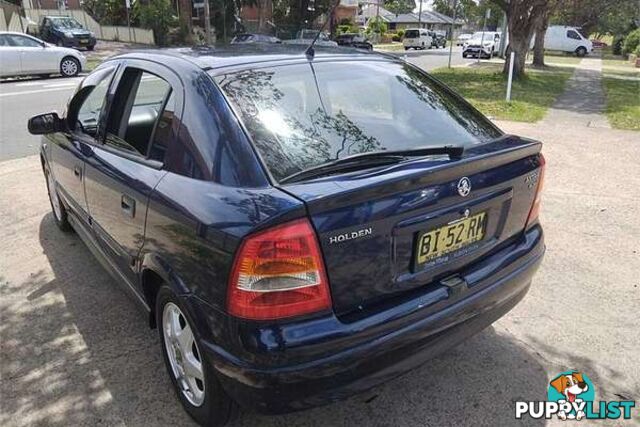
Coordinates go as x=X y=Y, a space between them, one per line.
x=567 y=39
x=417 y=38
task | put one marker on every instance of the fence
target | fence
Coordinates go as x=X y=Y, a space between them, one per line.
x=102 y=32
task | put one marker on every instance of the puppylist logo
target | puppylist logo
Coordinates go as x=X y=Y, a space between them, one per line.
x=571 y=396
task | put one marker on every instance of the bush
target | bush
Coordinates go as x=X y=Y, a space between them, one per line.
x=400 y=33
x=631 y=42
x=396 y=38
x=158 y=16
x=377 y=26
x=616 y=45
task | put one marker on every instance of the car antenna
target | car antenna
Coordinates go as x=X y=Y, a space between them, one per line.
x=309 y=51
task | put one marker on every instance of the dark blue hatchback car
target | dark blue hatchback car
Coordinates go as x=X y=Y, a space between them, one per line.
x=299 y=228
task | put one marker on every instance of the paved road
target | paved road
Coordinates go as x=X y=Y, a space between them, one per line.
x=22 y=99
x=25 y=98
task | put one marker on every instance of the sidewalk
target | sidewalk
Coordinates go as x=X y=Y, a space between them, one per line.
x=583 y=101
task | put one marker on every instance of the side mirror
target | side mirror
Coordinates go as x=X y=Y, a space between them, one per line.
x=44 y=124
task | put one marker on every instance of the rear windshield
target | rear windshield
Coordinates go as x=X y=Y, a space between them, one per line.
x=412 y=34
x=304 y=115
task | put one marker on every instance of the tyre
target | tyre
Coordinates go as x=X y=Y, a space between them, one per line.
x=90 y=47
x=193 y=379
x=581 y=52
x=59 y=211
x=69 y=66
x=464 y=54
x=406 y=48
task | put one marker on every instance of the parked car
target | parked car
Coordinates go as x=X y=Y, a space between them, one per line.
x=298 y=228
x=482 y=43
x=598 y=44
x=305 y=37
x=463 y=38
x=24 y=55
x=354 y=40
x=438 y=39
x=567 y=39
x=254 y=38
x=417 y=38
x=66 y=31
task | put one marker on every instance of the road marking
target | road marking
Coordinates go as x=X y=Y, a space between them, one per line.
x=62 y=85
x=29 y=92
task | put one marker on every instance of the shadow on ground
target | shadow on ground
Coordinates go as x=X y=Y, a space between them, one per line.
x=80 y=349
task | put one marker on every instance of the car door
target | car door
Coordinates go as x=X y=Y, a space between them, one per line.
x=68 y=150
x=572 y=40
x=35 y=57
x=9 y=57
x=123 y=171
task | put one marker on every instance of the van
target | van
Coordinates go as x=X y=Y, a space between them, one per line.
x=567 y=39
x=417 y=38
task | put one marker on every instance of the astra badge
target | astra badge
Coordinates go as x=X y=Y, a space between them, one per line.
x=464 y=186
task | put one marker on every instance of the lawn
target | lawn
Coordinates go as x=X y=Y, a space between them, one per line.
x=485 y=87
x=623 y=100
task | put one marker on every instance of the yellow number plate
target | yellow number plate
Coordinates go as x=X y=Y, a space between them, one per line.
x=451 y=237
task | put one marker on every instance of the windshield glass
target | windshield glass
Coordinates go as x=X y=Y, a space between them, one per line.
x=305 y=115
x=67 y=23
x=411 y=34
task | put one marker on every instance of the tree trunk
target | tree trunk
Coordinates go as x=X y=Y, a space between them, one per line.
x=522 y=17
x=538 y=47
x=184 y=8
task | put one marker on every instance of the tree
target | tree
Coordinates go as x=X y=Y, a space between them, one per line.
x=598 y=16
x=522 y=18
x=399 y=6
x=184 y=12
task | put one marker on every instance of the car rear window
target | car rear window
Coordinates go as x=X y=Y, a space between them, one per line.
x=304 y=115
x=411 y=34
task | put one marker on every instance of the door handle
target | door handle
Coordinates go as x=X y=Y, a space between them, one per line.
x=128 y=205
x=77 y=171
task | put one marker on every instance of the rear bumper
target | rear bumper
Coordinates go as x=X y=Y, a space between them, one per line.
x=290 y=367
x=77 y=43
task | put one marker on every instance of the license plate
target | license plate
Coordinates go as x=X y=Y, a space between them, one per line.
x=84 y=41
x=451 y=237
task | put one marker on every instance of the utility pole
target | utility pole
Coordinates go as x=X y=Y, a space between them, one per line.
x=453 y=23
x=420 y=15
x=207 y=22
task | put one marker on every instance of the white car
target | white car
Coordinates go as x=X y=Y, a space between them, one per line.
x=24 y=55
x=482 y=43
x=417 y=38
x=462 y=39
x=567 y=39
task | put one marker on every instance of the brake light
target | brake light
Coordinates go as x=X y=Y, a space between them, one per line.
x=279 y=273
x=535 y=207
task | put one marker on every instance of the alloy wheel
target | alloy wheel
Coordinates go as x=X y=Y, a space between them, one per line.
x=69 y=67
x=183 y=354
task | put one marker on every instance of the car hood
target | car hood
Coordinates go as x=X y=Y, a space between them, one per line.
x=76 y=32
x=478 y=41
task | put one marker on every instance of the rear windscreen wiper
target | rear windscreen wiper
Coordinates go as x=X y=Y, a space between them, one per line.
x=372 y=159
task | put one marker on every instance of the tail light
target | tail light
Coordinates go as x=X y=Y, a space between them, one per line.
x=535 y=207
x=279 y=273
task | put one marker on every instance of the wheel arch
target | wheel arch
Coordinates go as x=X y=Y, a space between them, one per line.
x=154 y=273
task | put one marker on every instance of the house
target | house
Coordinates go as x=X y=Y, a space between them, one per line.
x=428 y=19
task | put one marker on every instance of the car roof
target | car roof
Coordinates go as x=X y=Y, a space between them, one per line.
x=209 y=58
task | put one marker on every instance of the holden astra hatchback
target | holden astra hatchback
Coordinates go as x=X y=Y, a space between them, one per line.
x=298 y=227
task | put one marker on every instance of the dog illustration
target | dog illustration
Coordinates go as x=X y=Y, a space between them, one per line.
x=570 y=386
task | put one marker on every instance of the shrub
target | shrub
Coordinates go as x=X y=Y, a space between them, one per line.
x=396 y=38
x=377 y=26
x=400 y=33
x=631 y=42
x=158 y=16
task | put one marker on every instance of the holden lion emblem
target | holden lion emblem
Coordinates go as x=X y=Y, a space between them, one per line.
x=464 y=186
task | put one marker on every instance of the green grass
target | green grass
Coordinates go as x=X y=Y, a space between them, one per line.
x=485 y=87
x=92 y=63
x=623 y=101
x=558 y=58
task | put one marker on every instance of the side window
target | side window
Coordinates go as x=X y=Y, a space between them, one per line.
x=23 y=41
x=86 y=116
x=4 y=40
x=573 y=35
x=142 y=115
